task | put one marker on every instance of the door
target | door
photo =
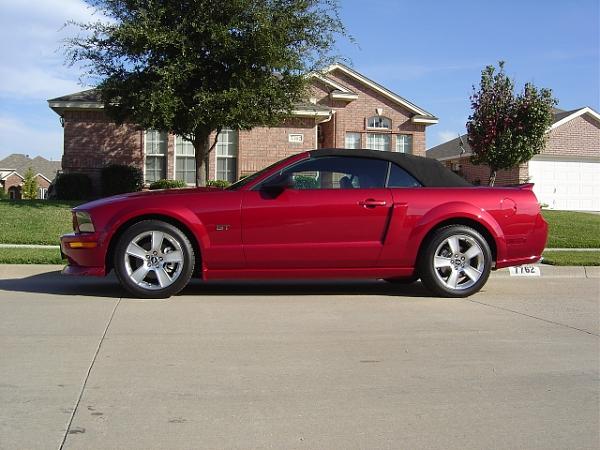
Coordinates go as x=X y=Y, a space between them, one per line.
x=329 y=212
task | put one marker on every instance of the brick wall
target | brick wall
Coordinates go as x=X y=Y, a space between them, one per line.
x=579 y=137
x=92 y=141
x=351 y=117
x=481 y=174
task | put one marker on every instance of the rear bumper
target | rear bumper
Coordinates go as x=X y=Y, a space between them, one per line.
x=87 y=260
x=528 y=250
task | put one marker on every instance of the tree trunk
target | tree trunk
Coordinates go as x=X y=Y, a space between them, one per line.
x=202 y=149
x=492 y=179
x=201 y=145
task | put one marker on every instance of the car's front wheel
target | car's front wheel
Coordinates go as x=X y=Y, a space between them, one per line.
x=154 y=259
x=455 y=262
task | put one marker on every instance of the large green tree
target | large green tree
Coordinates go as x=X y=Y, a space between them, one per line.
x=193 y=67
x=506 y=128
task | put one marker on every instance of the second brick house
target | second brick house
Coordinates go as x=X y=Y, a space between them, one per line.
x=345 y=109
x=566 y=173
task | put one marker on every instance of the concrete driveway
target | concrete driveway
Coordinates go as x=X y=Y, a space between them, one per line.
x=336 y=365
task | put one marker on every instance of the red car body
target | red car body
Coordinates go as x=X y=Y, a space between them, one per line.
x=239 y=234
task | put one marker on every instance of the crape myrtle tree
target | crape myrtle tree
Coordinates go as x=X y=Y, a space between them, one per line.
x=507 y=129
x=194 y=67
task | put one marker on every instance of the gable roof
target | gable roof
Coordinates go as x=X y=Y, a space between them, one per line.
x=19 y=163
x=452 y=148
x=420 y=113
x=90 y=98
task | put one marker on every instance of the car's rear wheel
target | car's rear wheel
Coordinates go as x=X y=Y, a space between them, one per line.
x=154 y=259
x=455 y=262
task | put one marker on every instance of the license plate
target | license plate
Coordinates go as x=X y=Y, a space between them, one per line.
x=525 y=271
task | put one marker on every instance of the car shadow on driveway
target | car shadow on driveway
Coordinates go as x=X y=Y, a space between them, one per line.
x=56 y=284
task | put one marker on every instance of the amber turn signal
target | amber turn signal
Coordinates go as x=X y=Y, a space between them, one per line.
x=78 y=244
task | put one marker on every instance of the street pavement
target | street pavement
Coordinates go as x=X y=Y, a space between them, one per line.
x=299 y=365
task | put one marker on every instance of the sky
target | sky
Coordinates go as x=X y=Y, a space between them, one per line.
x=431 y=53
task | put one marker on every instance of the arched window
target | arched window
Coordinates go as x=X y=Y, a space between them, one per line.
x=379 y=123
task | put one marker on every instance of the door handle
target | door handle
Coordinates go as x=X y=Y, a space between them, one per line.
x=371 y=203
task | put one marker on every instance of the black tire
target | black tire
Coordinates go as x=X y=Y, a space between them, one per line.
x=172 y=241
x=435 y=279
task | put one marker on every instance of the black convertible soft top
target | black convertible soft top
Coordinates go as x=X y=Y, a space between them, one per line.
x=429 y=172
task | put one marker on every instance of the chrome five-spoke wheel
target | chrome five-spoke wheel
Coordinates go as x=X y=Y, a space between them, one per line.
x=154 y=259
x=455 y=262
x=459 y=262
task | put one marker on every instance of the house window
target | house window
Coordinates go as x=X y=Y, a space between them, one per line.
x=185 y=162
x=42 y=193
x=352 y=140
x=378 y=142
x=156 y=155
x=379 y=123
x=227 y=149
x=404 y=143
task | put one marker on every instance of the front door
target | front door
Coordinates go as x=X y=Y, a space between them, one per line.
x=332 y=213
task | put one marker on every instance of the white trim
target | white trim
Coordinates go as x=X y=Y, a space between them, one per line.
x=344 y=96
x=330 y=82
x=45 y=178
x=78 y=105
x=14 y=172
x=579 y=112
x=362 y=79
x=424 y=120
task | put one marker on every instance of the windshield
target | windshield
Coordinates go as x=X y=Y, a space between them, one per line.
x=246 y=180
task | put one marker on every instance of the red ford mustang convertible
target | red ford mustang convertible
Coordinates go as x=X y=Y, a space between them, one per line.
x=327 y=213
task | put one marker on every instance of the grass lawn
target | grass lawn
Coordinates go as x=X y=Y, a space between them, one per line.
x=572 y=258
x=34 y=221
x=573 y=229
x=30 y=256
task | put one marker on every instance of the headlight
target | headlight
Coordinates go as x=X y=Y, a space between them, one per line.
x=82 y=222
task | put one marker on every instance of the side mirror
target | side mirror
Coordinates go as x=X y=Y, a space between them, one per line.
x=278 y=184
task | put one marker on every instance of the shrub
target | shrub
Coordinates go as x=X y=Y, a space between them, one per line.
x=305 y=182
x=218 y=183
x=168 y=184
x=30 y=186
x=119 y=179
x=72 y=186
x=3 y=194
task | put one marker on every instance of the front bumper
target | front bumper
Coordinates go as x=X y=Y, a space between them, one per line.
x=85 y=254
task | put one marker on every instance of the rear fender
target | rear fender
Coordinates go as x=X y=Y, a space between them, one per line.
x=458 y=211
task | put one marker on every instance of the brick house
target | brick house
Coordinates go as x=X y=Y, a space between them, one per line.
x=566 y=173
x=14 y=167
x=345 y=109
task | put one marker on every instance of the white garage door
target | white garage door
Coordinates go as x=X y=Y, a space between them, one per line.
x=566 y=185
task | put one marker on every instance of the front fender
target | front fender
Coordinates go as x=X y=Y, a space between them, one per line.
x=457 y=211
x=126 y=213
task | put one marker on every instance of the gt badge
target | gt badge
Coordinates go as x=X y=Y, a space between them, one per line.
x=223 y=227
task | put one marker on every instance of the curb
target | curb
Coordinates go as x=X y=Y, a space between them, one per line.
x=28 y=246
x=548 y=271
x=572 y=250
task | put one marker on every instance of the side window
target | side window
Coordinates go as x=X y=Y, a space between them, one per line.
x=335 y=172
x=401 y=178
